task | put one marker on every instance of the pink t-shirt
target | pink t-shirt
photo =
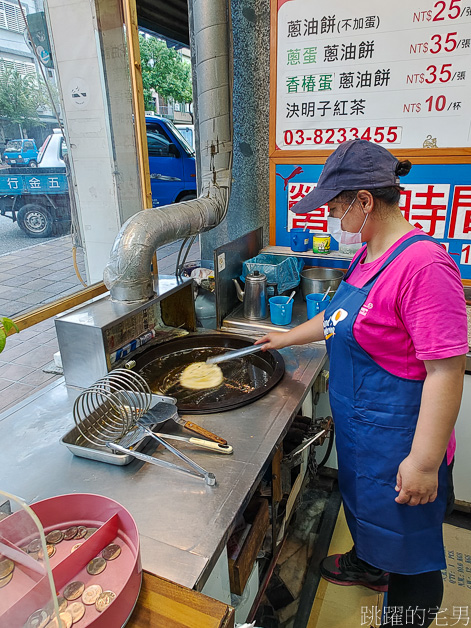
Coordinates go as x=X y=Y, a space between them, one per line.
x=415 y=311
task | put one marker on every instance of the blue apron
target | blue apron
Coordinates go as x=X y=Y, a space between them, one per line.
x=375 y=415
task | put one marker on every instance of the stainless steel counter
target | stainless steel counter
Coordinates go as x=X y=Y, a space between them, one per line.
x=183 y=523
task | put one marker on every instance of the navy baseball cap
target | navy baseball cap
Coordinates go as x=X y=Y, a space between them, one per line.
x=354 y=165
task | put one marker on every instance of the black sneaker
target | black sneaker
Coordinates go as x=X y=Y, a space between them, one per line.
x=347 y=570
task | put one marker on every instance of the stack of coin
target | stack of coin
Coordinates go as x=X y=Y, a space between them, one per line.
x=111 y=551
x=55 y=537
x=72 y=533
x=38 y=619
x=73 y=590
x=91 y=594
x=81 y=532
x=76 y=610
x=104 y=600
x=51 y=550
x=7 y=567
x=96 y=566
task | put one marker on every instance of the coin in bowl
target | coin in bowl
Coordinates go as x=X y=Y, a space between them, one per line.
x=55 y=536
x=70 y=533
x=61 y=603
x=89 y=532
x=51 y=550
x=111 y=551
x=65 y=621
x=5 y=581
x=38 y=619
x=73 y=590
x=76 y=610
x=34 y=546
x=75 y=547
x=91 y=594
x=104 y=600
x=96 y=566
x=6 y=567
x=81 y=532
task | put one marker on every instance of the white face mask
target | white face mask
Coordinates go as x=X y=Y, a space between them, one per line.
x=334 y=227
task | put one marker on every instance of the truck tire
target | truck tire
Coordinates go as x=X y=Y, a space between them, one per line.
x=33 y=164
x=35 y=221
x=187 y=197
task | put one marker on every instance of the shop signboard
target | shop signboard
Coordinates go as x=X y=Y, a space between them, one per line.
x=436 y=199
x=366 y=70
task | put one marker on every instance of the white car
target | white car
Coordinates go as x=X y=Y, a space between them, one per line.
x=56 y=147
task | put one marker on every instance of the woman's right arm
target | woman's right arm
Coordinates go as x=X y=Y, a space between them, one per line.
x=309 y=331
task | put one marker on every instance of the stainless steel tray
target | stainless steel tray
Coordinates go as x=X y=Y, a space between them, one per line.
x=79 y=446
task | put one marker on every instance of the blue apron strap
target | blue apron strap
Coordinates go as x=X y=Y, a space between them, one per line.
x=397 y=251
x=353 y=265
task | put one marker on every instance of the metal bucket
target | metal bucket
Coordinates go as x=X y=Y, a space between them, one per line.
x=319 y=279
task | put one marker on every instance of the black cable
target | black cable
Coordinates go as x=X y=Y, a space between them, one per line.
x=177 y=265
x=330 y=444
x=186 y=255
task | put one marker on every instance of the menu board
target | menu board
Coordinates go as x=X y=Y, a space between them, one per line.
x=397 y=75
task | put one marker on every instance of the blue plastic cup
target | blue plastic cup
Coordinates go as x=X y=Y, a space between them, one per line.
x=299 y=240
x=280 y=310
x=315 y=304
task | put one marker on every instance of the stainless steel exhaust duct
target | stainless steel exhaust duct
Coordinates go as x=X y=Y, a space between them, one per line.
x=128 y=272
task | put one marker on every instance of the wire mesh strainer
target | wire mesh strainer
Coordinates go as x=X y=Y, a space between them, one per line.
x=112 y=406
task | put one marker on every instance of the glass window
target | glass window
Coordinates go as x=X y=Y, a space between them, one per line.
x=159 y=146
x=64 y=149
x=13 y=146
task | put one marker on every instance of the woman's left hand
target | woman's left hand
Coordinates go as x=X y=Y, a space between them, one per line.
x=414 y=485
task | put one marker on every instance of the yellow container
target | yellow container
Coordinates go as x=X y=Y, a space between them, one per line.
x=320 y=243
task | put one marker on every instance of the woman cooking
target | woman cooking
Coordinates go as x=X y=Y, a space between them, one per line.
x=396 y=336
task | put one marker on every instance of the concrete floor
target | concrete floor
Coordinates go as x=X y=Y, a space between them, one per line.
x=37 y=275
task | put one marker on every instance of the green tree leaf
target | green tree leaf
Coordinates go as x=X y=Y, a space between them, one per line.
x=20 y=97
x=8 y=324
x=3 y=339
x=164 y=71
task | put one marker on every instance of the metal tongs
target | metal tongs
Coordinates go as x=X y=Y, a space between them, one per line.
x=143 y=427
x=233 y=355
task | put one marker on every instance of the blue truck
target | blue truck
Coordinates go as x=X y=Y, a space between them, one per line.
x=39 y=200
x=21 y=153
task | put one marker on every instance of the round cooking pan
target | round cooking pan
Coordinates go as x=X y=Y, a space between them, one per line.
x=245 y=379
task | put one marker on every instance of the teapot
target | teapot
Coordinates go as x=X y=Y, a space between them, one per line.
x=254 y=297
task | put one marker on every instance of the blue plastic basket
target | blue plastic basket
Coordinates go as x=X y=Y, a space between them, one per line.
x=282 y=272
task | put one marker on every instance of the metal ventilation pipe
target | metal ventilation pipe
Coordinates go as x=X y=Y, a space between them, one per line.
x=128 y=273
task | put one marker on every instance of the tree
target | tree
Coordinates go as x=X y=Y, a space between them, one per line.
x=164 y=71
x=20 y=97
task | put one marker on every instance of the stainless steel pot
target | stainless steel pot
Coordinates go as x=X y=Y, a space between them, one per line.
x=319 y=280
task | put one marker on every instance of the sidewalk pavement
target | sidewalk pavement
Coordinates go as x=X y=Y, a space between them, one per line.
x=46 y=273
x=37 y=275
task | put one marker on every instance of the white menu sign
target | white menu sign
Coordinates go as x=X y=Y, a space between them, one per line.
x=396 y=75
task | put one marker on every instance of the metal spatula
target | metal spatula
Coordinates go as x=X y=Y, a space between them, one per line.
x=164 y=410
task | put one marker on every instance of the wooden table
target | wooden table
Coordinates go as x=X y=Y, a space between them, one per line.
x=164 y=604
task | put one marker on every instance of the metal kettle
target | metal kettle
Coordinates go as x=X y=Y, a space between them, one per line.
x=254 y=296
